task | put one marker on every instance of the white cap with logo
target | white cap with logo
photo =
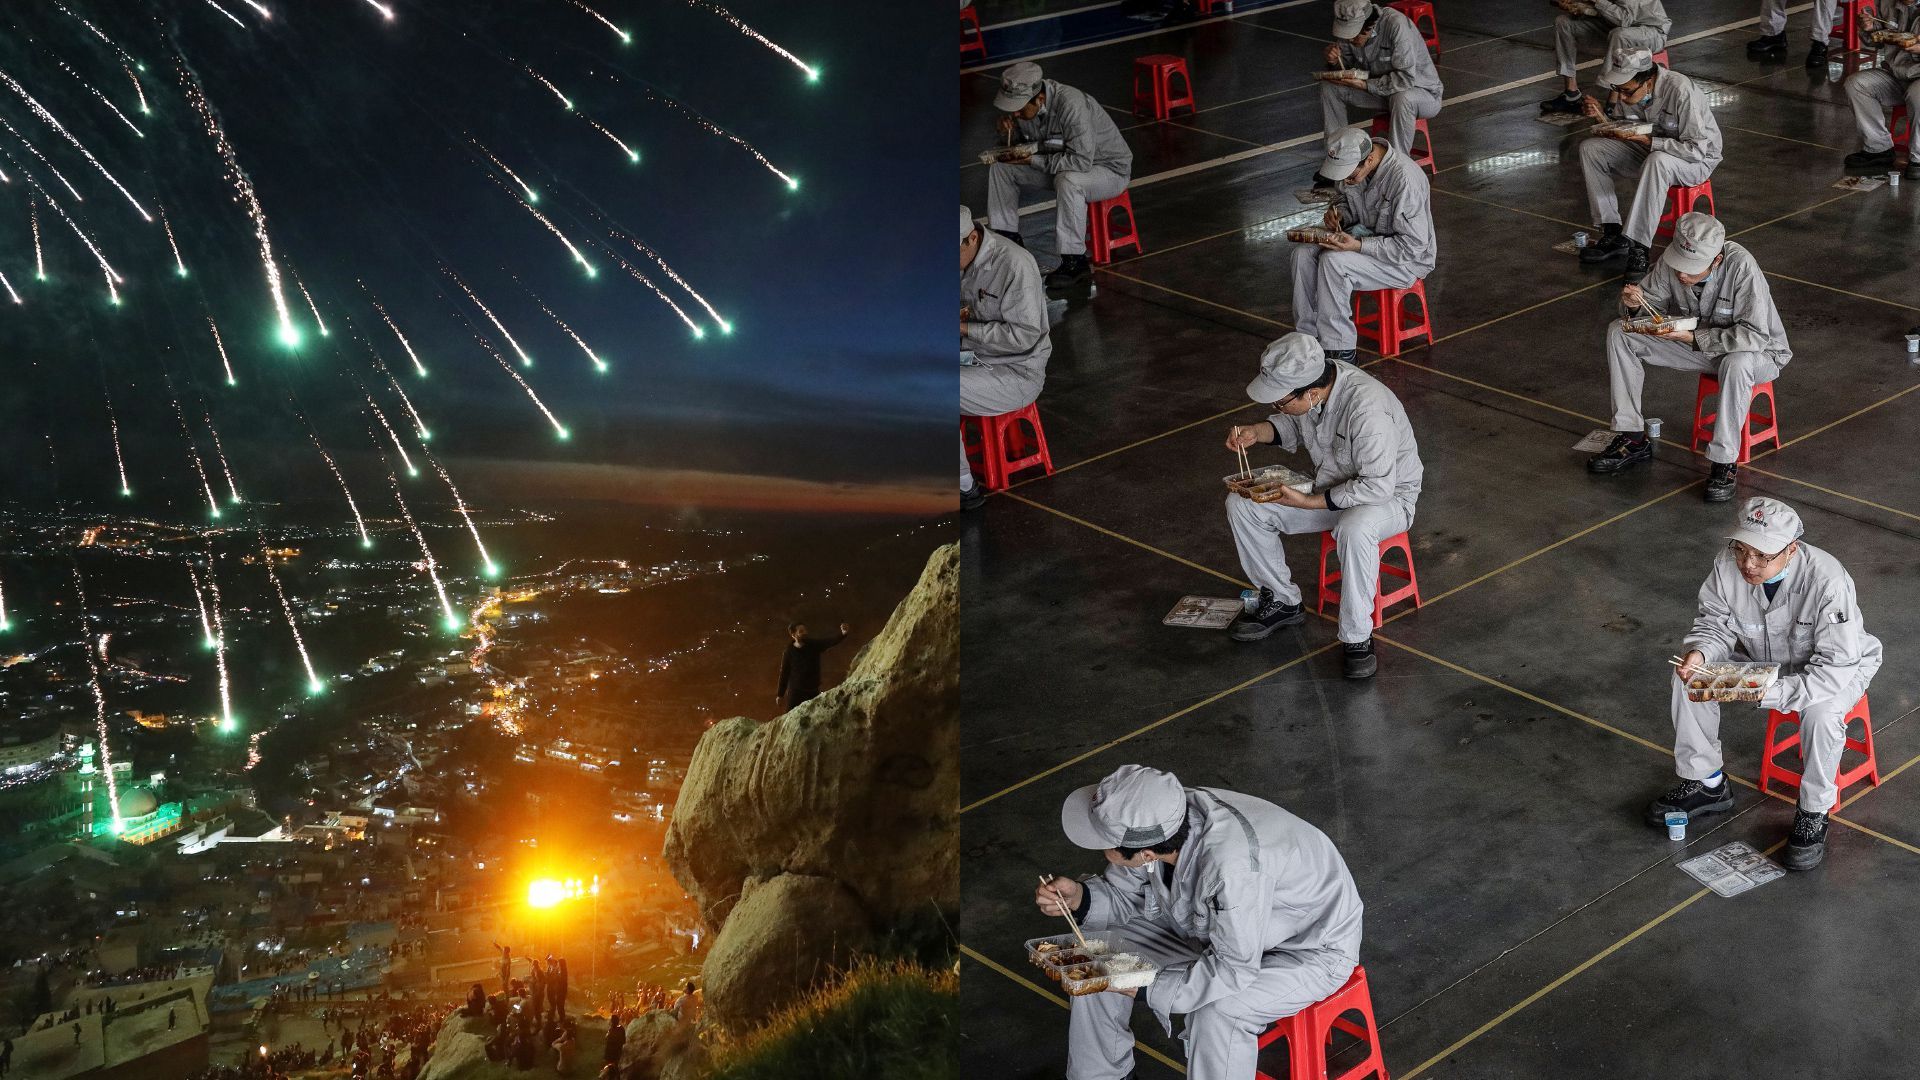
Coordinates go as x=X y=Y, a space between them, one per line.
x=1345 y=151
x=1623 y=63
x=1135 y=807
x=1350 y=17
x=1288 y=364
x=1766 y=525
x=1018 y=85
x=1698 y=239
x=966 y=223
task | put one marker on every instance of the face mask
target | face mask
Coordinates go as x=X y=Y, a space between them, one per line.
x=1777 y=578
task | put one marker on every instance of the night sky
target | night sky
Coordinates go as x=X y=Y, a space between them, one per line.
x=356 y=131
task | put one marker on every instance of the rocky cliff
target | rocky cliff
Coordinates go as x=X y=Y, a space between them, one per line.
x=807 y=838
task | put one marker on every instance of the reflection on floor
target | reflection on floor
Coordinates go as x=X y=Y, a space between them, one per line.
x=1486 y=787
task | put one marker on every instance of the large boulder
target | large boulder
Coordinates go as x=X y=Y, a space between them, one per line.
x=647 y=1032
x=457 y=1055
x=853 y=795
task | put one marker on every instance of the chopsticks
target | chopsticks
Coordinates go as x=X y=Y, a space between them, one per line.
x=1246 y=470
x=1071 y=924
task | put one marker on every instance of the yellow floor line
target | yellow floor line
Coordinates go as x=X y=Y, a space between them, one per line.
x=1195 y=299
x=1783 y=138
x=1837 y=289
x=1889 y=399
x=1141 y=544
x=1794 y=214
x=991 y=965
x=1830 y=491
x=1490 y=388
x=1529 y=307
x=1515 y=209
x=1222 y=414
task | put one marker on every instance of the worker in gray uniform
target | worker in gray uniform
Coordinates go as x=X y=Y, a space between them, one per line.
x=1773 y=597
x=1366 y=480
x=1079 y=157
x=1249 y=911
x=1004 y=342
x=1383 y=237
x=1739 y=339
x=1772 y=42
x=1682 y=150
x=1388 y=70
x=1894 y=81
x=1602 y=25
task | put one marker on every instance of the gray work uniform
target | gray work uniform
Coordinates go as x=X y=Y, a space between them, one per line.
x=1773 y=18
x=1395 y=207
x=1401 y=80
x=1686 y=147
x=1261 y=920
x=1813 y=629
x=1739 y=339
x=1093 y=163
x=1006 y=339
x=1895 y=81
x=1368 y=465
x=1615 y=24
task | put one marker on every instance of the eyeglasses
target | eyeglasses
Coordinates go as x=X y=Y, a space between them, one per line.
x=1744 y=554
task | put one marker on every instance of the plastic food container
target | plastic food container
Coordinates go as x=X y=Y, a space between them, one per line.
x=1121 y=971
x=1623 y=127
x=1007 y=153
x=1264 y=484
x=1041 y=951
x=1659 y=324
x=1732 y=682
x=1311 y=234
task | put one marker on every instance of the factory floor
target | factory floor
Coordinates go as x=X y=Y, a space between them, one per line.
x=1487 y=787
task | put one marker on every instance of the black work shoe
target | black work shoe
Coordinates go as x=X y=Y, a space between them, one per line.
x=1623 y=453
x=1770 y=45
x=972 y=498
x=1869 y=161
x=1639 y=260
x=1807 y=843
x=1358 y=660
x=1339 y=354
x=1817 y=55
x=1013 y=236
x=1609 y=245
x=1271 y=615
x=1073 y=270
x=1568 y=102
x=1913 y=168
x=1720 y=482
x=1691 y=798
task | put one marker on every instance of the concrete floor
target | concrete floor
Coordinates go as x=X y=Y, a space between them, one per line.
x=1486 y=788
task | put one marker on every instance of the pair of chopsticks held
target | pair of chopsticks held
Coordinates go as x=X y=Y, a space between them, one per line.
x=1246 y=469
x=1071 y=923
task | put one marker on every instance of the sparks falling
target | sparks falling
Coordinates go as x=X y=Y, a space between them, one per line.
x=311 y=306
x=715 y=129
x=137 y=90
x=219 y=644
x=625 y=38
x=221 y=452
x=632 y=154
x=544 y=81
x=598 y=364
x=259 y=7
x=197 y=97
x=40 y=111
x=33 y=219
x=4 y=623
x=314 y=685
x=193 y=451
x=179 y=264
x=812 y=73
x=104 y=100
x=419 y=425
x=126 y=56
x=555 y=230
x=532 y=195
x=99 y=703
x=206 y=625
x=51 y=167
x=559 y=429
x=221 y=346
x=112 y=275
x=391 y=434
x=426 y=555
x=235 y=19
x=725 y=326
x=460 y=504
x=668 y=300
x=10 y=292
x=113 y=425
x=359 y=522
x=385 y=11
x=525 y=360
x=417 y=365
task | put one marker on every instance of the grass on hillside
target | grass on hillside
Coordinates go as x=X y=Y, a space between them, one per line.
x=894 y=1020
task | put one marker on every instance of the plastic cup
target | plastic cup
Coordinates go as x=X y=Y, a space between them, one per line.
x=1913 y=343
x=1580 y=239
x=1653 y=427
x=1677 y=825
x=1250 y=599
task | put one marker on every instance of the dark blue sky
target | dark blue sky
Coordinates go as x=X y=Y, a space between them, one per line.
x=355 y=133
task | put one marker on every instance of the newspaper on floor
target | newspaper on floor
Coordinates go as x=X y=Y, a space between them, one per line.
x=1596 y=441
x=1562 y=119
x=1317 y=196
x=1860 y=183
x=1204 y=612
x=1732 y=869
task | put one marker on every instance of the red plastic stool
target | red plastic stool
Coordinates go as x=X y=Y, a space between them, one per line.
x=1160 y=68
x=1207 y=6
x=1683 y=200
x=1660 y=59
x=1419 y=148
x=1900 y=127
x=1868 y=770
x=1389 y=327
x=977 y=41
x=1846 y=23
x=1382 y=598
x=1751 y=436
x=1421 y=11
x=1307 y=1031
x=1102 y=239
x=997 y=448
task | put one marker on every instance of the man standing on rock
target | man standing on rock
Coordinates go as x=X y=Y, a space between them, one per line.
x=1249 y=911
x=616 y=1042
x=800 y=665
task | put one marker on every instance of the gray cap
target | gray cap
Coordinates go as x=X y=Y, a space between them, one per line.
x=1624 y=63
x=1349 y=16
x=1018 y=85
x=1135 y=807
x=1345 y=151
x=966 y=223
x=1766 y=525
x=1697 y=241
x=1288 y=364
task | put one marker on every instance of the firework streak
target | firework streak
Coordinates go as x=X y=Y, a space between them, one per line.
x=548 y=83
x=221 y=346
x=51 y=167
x=104 y=100
x=460 y=504
x=221 y=452
x=417 y=365
x=598 y=364
x=10 y=292
x=219 y=644
x=555 y=230
x=365 y=540
x=668 y=300
x=558 y=428
x=206 y=624
x=725 y=326
x=532 y=195
x=426 y=554
x=193 y=451
x=179 y=264
x=812 y=72
x=525 y=360
x=715 y=129
x=391 y=434
x=113 y=425
x=314 y=685
x=99 y=701
x=40 y=111
x=625 y=38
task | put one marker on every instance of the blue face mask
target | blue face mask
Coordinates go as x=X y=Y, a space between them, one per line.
x=1777 y=578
